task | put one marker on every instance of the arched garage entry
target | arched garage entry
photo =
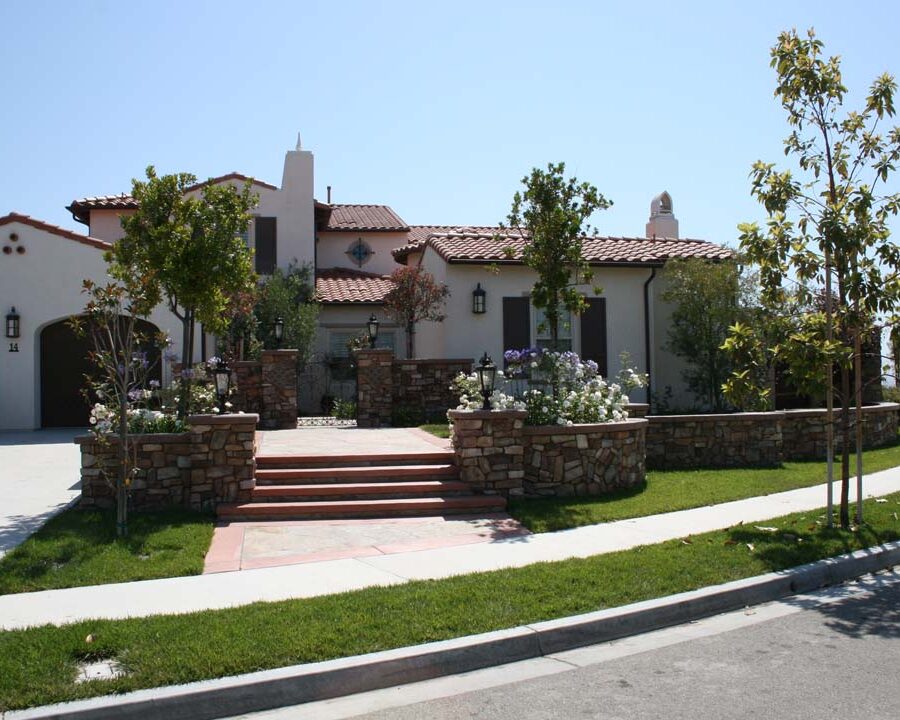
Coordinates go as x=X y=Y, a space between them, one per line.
x=64 y=364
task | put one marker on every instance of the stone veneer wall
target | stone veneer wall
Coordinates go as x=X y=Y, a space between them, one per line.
x=422 y=387
x=374 y=387
x=268 y=387
x=497 y=454
x=213 y=462
x=803 y=431
x=755 y=439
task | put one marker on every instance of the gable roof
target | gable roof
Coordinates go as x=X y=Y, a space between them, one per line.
x=480 y=245
x=81 y=209
x=364 y=218
x=345 y=285
x=53 y=230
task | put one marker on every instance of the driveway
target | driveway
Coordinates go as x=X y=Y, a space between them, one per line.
x=39 y=476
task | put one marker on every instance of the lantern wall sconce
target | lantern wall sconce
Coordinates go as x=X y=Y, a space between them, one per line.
x=12 y=324
x=279 y=331
x=487 y=375
x=479 y=300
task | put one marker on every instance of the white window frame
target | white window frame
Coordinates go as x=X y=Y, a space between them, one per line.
x=567 y=329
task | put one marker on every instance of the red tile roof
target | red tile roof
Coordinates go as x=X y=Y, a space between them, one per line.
x=81 y=209
x=345 y=285
x=54 y=230
x=364 y=218
x=479 y=244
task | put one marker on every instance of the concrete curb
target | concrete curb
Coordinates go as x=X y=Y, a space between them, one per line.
x=269 y=689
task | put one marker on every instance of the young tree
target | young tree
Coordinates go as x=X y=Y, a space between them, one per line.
x=188 y=249
x=289 y=295
x=415 y=296
x=706 y=299
x=828 y=218
x=550 y=215
x=111 y=320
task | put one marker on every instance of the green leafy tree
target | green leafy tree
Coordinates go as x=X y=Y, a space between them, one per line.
x=290 y=295
x=827 y=227
x=416 y=296
x=551 y=215
x=189 y=250
x=706 y=300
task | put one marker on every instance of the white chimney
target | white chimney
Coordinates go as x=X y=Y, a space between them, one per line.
x=662 y=223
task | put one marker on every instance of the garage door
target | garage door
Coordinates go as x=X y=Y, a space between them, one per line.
x=64 y=365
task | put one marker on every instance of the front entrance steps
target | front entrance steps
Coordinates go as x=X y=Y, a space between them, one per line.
x=318 y=487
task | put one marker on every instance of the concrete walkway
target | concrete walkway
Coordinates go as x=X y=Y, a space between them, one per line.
x=227 y=589
x=39 y=476
x=349 y=441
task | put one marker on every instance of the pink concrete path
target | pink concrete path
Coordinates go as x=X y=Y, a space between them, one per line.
x=349 y=441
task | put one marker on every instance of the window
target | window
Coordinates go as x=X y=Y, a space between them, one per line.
x=541 y=330
x=266 y=244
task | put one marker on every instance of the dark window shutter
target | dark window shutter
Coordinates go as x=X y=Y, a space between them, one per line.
x=593 y=333
x=516 y=323
x=266 y=245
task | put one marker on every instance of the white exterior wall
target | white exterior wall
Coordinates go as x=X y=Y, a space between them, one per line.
x=331 y=250
x=45 y=286
x=466 y=335
x=667 y=367
x=107 y=224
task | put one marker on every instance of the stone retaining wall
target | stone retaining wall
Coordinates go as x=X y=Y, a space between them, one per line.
x=268 y=387
x=247 y=382
x=374 y=387
x=213 y=462
x=497 y=454
x=755 y=439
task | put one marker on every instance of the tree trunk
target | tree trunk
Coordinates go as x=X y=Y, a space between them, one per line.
x=845 y=447
x=858 y=383
x=121 y=470
x=410 y=341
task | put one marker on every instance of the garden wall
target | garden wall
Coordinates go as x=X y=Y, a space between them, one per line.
x=755 y=439
x=406 y=391
x=268 y=387
x=497 y=454
x=213 y=462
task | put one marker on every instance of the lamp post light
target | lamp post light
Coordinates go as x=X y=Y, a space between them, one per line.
x=487 y=374
x=279 y=331
x=12 y=324
x=479 y=300
x=223 y=383
x=372 y=326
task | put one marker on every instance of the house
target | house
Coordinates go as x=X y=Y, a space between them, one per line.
x=353 y=248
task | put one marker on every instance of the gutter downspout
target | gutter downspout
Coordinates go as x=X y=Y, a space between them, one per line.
x=647 y=332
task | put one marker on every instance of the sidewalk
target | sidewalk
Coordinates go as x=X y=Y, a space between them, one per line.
x=189 y=594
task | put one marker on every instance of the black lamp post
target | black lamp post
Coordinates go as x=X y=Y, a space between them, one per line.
x=479 y=300
x=487 y=374
x=223 y=383
x=12 y=324
x=279 y=331
x=372 y=326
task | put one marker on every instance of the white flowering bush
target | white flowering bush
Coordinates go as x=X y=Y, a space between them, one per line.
x=561 y=389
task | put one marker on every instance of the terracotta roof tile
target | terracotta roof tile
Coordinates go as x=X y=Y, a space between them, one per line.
x=54 y=230
x=364 y=218
x=345 y=285
x=81 y=208
x=479 y=245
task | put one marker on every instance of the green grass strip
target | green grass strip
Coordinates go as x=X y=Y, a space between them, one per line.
x=80 y=547
x=671 y=490
x=38 y=665
x=441 y=430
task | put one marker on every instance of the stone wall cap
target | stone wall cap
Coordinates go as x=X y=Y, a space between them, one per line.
x=285 y=351
x=244 y=363
x=817 y=412
x=586 y=428
x=227 y=419
x=435 y=361
x=486 y=414
x=160 y=438
x=717 y=417
x=377 y=351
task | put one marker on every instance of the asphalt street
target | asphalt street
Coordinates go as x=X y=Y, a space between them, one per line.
x=835 y=653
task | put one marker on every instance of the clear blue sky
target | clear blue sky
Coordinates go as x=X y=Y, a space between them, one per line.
x=435 y=109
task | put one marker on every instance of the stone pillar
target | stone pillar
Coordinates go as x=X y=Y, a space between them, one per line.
x=374 y=387
x=247 y=386
x=222 y=462
x=279 y=389
x=490 y=449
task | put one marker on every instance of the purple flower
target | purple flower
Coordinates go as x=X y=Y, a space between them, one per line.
x=154 y=385
x=187 y=374
x=135 y=394
x=170 y=356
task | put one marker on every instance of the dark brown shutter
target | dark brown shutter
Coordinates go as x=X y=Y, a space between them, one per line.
x=593 y=333
x=516 y=323
x=266 y=245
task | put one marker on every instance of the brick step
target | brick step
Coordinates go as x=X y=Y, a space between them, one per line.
x=418 y=507
x=371 y=474
x=364 y=460
x=359 y=491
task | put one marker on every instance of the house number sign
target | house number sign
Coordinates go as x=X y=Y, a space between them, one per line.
x=14 y=347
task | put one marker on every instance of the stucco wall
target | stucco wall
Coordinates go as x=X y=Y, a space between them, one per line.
x=331 y=250
x=44 y=284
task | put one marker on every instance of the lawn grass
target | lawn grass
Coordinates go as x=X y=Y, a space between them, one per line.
x=80 y=547
x=37 y=665
x=670 y=490
x=441 y=430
